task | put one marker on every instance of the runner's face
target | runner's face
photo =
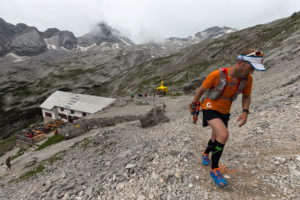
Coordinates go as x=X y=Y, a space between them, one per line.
x=247 y=70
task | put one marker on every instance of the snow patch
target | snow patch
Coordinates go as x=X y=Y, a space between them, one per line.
x=124 y=41
x=80 y=48
x=63 y=48
x=103 y=43
x=229 y=31
x=17 y=58
x=116 y=46
x=50 y=46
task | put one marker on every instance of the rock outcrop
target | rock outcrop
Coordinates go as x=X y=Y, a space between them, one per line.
x=155 y=116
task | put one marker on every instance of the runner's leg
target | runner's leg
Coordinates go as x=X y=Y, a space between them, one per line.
x=210 y=143
x=222 y=135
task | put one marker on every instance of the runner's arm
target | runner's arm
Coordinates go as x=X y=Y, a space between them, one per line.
x=246 y=100
x=198 y=94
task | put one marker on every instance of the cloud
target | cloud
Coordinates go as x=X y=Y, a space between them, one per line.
x=145 y=20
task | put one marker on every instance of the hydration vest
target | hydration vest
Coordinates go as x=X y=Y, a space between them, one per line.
x=216 y=92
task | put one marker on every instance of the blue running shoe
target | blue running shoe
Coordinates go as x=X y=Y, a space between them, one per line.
x=205 y=159
x=217 y=177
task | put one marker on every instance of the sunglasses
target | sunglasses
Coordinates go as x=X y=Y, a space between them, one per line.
x=257 y=54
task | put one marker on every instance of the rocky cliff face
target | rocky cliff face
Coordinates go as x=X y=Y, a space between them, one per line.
x=214 y=32
x=23 y=40
x=27 y=41
x=65 y=39
x=104 y=34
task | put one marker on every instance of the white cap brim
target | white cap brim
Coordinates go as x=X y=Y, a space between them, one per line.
x=255 y=62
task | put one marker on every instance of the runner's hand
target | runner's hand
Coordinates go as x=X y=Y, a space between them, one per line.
x=243 y=119
x=193 y=108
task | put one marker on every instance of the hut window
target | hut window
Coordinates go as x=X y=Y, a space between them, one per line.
x=48 y=114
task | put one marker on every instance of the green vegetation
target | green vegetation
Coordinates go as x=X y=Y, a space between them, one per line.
x=69 y=73
x=161 y=60
x=7 y=144
x=19 y=153
x=52 y=140
x=86 y=142
x=29 y=174
x=102 y=150
x=56 y=157
x=41 y=166
x=99 y=89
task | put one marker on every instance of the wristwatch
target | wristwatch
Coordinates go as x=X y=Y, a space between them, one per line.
x=246 y=110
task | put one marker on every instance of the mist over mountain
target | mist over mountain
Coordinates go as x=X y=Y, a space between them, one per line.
x=22 y=40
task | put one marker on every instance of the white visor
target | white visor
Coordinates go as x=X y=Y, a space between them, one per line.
x=255 y=62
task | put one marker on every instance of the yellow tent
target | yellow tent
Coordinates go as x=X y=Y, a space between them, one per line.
x=162 y=88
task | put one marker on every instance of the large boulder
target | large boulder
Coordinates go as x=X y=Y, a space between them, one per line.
x=155 y=116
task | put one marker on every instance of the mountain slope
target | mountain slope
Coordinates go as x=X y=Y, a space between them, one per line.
x=24 y=85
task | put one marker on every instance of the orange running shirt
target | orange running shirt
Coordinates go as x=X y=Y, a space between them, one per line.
x=223 y=105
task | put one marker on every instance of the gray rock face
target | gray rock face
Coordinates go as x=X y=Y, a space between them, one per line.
x=154 y=117
x=28 y=44
x=214 y=32
x=7 y=32
x=103 y=33
x=50 y=32
x=64 y=39
x=20 y=39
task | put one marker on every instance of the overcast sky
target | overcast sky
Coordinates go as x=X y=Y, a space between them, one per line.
x=144 y=20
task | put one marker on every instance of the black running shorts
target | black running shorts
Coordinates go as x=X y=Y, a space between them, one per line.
x=212 y=114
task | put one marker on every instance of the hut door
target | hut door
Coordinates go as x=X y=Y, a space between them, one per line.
x=70 y=119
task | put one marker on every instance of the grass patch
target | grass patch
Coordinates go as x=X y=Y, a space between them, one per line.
x=7 y=144
x=86 y=142
x=19 y=153
x=31 y=173
x=40 y=167
x=56 y=157
x=52 y=140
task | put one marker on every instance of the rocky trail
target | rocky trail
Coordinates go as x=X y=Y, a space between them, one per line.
x=261 y=160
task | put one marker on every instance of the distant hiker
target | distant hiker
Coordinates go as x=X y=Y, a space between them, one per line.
x=164 y=107
x=217 y=92
x=145 y=95
x=132 y=95
x=8 y=163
